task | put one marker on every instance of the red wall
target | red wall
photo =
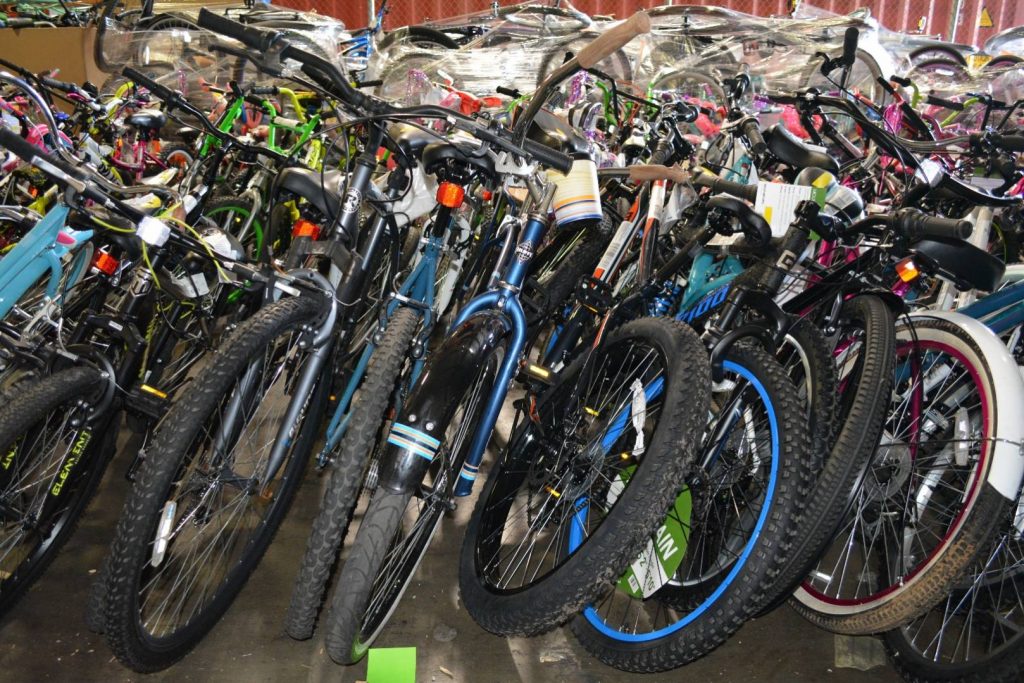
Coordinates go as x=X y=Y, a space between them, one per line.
x=895 y=14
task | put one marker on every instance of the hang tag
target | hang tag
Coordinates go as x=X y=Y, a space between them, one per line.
x=639 y=415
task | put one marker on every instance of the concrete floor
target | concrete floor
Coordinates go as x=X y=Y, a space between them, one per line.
x=44 y=638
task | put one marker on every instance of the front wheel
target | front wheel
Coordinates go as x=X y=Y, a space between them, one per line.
x=586 y=478
x=713 y=560
x=396 y=530
x=930 y=498
x=206 y=503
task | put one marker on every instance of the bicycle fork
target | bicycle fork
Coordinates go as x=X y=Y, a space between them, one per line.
x=481 y=328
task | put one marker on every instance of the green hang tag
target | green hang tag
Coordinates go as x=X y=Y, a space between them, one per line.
x=658 y=562
x=391 y=665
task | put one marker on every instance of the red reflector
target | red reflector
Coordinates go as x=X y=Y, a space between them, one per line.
x=487 y=195
x=450 y=195
x=304 y=228
x=105 y=263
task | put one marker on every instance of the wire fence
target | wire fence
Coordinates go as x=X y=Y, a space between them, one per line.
x=963 y=21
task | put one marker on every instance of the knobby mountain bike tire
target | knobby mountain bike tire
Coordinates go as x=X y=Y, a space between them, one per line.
x=367 y=420
x=52 y=463
x=172 y=517
x=731 y=528
x=864 y=345
x=600 y=461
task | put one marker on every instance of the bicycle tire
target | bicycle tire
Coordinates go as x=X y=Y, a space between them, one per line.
x=986 y=604
x=348 y=468
x=930 y=52
x=38 y=400
x=348 y=634
x=562 y=584
x=861 y=414
x=719 y=597
x=418 y=36
x=134 y=545
x=894 y=594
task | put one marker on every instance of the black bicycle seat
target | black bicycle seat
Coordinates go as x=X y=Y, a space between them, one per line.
x=438 y=154
x=147 y=118
x=756 y=230
x=407 y=142
x=792 y=151
x=962 y=262
x=322 y=191
x=951 y=187
x=557 y=133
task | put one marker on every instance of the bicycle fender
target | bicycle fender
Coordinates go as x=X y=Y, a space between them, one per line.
x=416 y=433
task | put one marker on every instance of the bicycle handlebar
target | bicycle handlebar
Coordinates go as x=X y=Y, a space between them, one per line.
x=613 y=39
x=718 y=185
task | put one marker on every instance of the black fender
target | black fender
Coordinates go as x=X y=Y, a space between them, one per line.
x=417 y=432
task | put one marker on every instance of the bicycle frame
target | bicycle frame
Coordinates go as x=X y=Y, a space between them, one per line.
x=37 y=254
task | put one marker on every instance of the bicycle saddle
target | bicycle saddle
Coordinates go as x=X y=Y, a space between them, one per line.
x=559 y=134
x=951 y=187
x=147 y=118
x=965 y=264
x=792 y=151
x=407 y=142
x=756 y=231
x=306 y=183
x=438 y=154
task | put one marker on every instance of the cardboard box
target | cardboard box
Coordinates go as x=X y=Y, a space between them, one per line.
x=39 y=49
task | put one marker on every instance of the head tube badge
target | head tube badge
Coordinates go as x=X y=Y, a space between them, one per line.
x=353 y=198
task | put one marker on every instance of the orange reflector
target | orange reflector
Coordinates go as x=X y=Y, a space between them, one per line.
x=105 y=263
x=304 y=228
x=450 y=195
x=487 y=195
x=907 y=270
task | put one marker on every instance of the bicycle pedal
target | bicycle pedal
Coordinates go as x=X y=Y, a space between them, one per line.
x=531 y=372
x=147 y=401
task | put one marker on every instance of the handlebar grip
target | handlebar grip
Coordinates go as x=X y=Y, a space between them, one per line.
x=263 y=90
x=717 y=185
x=915 y=225
x=255 y=102
x=372 y=83
x=850 y=39
x=19 y=22
x=647 y=172
x=28 y=152
x=1010 y=143
x=900 y=80
x=752 y=131
x=613 y=39
x=547 y=156
x=58 y=85
x=161 y=91
x=508 y=92
x=945 y=104
x=251 y=37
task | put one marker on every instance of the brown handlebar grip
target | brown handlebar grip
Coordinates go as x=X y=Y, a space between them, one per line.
x=613 y=39
x=648 y=172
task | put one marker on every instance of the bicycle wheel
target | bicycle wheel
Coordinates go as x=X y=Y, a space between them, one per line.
x=205 y=507
x=863 y=345
x=396 y=530
x=975 y=634
x=368 y=420
x=231 y=214
x=711 y=564
x=926 y=506
x=53 y=461
x=584 y=482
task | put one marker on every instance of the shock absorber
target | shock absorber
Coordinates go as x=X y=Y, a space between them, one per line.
x=664 y=301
